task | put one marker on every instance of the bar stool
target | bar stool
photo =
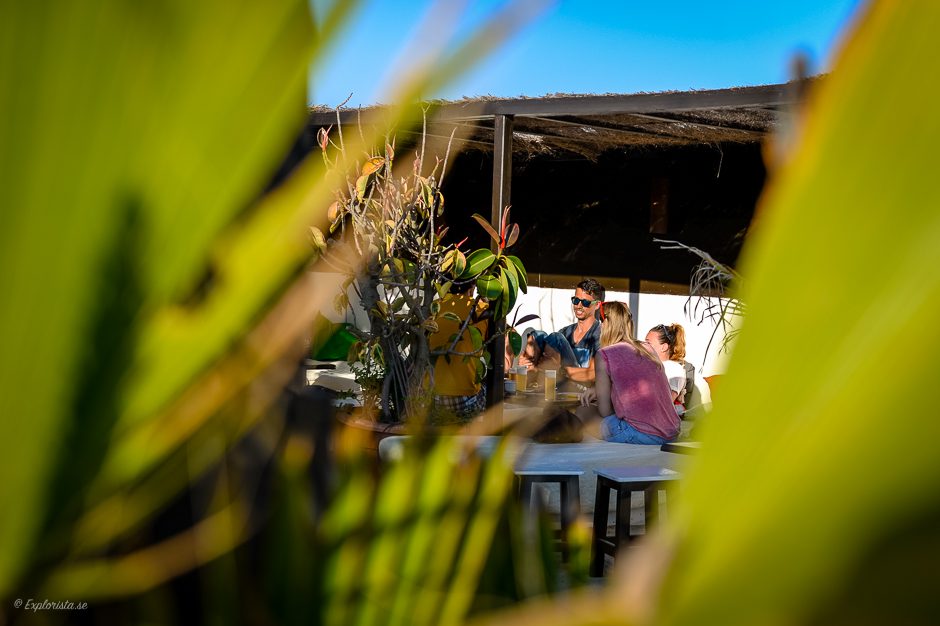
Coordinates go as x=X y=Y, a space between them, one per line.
x=569 y=484
x=624 y=481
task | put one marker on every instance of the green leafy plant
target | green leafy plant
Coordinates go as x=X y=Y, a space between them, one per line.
x=710 y=298
x=386 y=235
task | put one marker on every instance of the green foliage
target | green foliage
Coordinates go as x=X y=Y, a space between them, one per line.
x=834 y=290
x=155 y=302
x=405 y=271
x=815 y=497
x=135 y=185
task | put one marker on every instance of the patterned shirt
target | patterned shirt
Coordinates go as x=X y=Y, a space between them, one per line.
x=589 y=344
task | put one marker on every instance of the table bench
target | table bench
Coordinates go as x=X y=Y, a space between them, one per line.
x=623 y=481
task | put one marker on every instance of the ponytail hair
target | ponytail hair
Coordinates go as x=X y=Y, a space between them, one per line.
x=618 y=328
x=673 y=336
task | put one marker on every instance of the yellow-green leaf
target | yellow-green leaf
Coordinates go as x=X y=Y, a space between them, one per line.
x=361 y=184
x=372 y=166
x=478 y=262
x=489 y=287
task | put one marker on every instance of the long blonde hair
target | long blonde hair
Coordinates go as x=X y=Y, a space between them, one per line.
x=618 y=328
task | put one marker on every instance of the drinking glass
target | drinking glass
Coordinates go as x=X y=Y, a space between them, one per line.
x=551 y=376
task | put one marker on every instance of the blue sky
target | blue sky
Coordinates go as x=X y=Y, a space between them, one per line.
x=585 y=46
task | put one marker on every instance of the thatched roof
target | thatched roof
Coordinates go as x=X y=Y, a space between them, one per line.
x=589 y=125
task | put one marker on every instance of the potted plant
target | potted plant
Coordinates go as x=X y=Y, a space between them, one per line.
x=386 y=234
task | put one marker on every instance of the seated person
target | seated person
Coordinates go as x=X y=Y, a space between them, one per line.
x=458 y=391
x=570 y=350
x=668 y=343
x=631 y=397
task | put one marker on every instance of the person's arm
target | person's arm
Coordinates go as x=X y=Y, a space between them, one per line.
x=676 y=376
x=583 y=375
x=531 y=355
x=602 y=387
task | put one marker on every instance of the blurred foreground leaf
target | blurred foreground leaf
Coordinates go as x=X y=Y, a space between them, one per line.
x=819 y=464
x=821 y=445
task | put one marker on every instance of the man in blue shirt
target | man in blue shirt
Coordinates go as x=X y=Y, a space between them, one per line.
x=572 y=348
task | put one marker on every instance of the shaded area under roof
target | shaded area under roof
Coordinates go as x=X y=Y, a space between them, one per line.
x=595 y=179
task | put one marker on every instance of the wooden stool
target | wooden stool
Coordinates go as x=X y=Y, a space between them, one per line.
x=624 y=481
x=568 y=482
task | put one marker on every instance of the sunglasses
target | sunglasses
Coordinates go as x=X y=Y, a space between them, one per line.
x=583 y=301
x=668 y=334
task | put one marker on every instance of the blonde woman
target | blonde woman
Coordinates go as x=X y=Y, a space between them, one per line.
x=631 y=396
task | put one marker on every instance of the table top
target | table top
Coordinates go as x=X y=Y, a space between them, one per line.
x=681 y=447
x=548 y=471
x=640 y=473
x=537 y=396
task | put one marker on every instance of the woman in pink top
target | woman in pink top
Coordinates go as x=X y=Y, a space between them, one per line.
x=631 y=392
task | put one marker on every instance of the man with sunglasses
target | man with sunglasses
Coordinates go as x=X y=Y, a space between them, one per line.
x=572 y=348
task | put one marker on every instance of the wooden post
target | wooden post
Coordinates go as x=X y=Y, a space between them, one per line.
x=633 y=301
x=659 y=225
x=502 y=177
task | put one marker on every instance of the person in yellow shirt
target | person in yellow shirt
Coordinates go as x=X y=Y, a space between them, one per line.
x=458 y=388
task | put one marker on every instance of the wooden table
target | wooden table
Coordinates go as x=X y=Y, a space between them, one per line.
x=681 y=447
x=536 y=397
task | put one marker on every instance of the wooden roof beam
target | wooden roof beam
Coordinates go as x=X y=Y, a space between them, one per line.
x=660 y=118
x=765 y=95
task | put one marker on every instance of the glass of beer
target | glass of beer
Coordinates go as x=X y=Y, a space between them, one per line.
x=551 y=376
x=521 y=377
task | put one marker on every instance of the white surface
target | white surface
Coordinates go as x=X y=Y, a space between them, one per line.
x=339 y=379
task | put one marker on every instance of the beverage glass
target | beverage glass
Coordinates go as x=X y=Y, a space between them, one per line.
x=521 y=377
x=551 y=376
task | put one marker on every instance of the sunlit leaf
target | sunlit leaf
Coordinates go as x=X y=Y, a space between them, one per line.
x=448 y=261
x=333 y=212
x=520 y=270
x=361 y=184
x=460 y=263
x=503 y=225
x=476 y=338
x=443 y=289
x=487 y=227
x=489 y=287
x=477 y=262
x=513 y=235
x=515 y=341
x=317 y=238
x=372 y=165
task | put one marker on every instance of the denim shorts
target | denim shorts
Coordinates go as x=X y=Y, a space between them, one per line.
x=620 y=431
